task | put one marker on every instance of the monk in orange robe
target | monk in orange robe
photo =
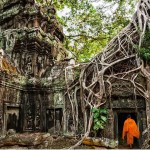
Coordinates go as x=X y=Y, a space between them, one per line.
x=130 y=130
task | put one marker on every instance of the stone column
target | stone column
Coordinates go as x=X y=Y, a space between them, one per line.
x=144 y=124
x=109 y=129
x=148 y=103
x=1 y=117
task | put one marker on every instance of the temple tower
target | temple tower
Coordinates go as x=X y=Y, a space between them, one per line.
x=32 y=41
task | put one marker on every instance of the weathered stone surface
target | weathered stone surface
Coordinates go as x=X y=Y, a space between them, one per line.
x=11 y=132
x=100 y=142
x=31 y=69
x=33 y=140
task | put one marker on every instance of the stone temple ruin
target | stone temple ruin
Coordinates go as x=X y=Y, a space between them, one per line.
x=32 y=62
x=117 y=79
x=33 y=66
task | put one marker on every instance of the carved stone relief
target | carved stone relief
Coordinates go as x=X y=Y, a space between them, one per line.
x=128 y=103
x=29 y=118
x=28 y=65
x=58 y=99
x=26 y=36
x=1 y=116
x=38 y=114
x=9 y=41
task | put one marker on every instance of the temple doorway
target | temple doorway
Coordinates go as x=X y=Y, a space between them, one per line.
x=54 y=120
x=121 y=117
x=12 y=118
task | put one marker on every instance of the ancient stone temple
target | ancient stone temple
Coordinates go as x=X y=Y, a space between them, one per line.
x=123 y=102
x=32 y=62
x=116 y=80
x=35 y=96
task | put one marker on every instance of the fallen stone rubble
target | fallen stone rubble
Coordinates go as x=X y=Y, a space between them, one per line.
x=13 y=140
x=26 y=140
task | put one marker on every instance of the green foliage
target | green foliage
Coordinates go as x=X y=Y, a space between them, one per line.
x=88 y=27
x=144 y=51
x=99 y=118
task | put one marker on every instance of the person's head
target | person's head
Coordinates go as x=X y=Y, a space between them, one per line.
x=129 y=116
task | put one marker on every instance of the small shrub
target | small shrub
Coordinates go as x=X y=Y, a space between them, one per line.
x=99 y=118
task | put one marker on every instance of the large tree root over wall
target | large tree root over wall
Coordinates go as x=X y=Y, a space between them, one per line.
x=119 y=61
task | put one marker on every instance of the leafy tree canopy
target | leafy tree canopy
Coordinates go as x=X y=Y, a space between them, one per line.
x=90 y=24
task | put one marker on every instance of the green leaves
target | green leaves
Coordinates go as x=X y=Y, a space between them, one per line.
x=89 y=25
x=95 y=110
x=99 y=118
x=103 y=118
x=144 y=51
x=96 y=115
x=103 y=111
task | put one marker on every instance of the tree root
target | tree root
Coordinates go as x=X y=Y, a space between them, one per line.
x=120 y=60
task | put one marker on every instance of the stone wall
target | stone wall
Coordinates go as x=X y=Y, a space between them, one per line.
x=30 y=105
x=32 y=64
x=10 y=97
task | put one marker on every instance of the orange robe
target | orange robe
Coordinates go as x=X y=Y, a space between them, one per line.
x=131 y=130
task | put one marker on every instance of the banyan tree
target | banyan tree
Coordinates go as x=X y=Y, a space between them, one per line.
x=33 y=66
x=117 y=80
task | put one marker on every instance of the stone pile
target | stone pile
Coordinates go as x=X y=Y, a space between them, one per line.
x=100 y=142
x=26 y=140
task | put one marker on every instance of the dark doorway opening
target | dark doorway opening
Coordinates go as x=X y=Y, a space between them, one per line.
x=54 y=119
x=121 y=118
x=13 y=118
